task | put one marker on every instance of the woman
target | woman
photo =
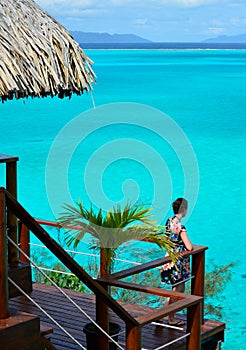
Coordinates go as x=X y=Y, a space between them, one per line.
x=176 y=274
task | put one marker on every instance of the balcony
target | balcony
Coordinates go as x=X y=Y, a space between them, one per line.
x=36 y=316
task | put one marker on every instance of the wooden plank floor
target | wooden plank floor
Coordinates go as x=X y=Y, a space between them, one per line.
x=73 y=320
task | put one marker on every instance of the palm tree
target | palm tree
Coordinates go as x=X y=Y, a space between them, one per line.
x=111 y=229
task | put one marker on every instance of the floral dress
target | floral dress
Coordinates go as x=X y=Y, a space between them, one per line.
x=175 y=273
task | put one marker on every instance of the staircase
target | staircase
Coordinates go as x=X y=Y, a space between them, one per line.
x=22 y=330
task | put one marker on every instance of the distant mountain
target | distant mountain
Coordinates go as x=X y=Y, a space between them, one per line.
x=227 y=39
x=91 y=37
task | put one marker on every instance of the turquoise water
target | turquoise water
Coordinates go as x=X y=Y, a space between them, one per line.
x=204 y=92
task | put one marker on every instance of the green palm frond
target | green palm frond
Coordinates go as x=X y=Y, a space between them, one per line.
x=76 y=222
x=163 y=241
x=110 y=229
x=113 y=228
x=119 y=218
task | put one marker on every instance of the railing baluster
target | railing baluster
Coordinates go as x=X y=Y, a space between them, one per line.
x=4 y=295
x=197 y=283
x=24 y=242
x=102 y=319
x=11 y=185
x=194 y=326
x=133 y=337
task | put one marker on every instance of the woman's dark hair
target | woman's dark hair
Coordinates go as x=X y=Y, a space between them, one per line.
x=180 y=205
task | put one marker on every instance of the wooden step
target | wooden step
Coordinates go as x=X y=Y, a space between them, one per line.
x=45 y=329
x=21 y=274
x=46 y=344
x=22 y=326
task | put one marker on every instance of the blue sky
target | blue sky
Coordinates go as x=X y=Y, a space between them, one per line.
x=156 y=20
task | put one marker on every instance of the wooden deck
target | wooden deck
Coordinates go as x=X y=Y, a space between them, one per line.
x=73 y=321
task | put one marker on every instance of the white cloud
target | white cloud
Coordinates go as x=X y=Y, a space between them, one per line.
x=216 y=23
x=70 y=9
x=83 y=13
x=236 y=4
x=133 y=3
x=120 y=2
x=216 y=30
x=185 y=3
x=192 y=3
x=158 y=20
x=238 y=22
x=75 y=3
x=141 y=21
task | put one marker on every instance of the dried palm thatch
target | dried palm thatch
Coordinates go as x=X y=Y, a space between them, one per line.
x=38 y=57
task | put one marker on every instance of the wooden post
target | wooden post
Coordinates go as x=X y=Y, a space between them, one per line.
x=133 y=337
x=102 y=315
x=24 y=242
x=4 y=296
x=11 y=185
x=197 y=283
x=102 y=319
x=194 y=326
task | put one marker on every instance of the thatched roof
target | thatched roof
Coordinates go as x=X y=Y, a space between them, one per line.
x=38 y=57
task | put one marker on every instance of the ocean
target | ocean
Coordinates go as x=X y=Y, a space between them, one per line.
x=159 y=124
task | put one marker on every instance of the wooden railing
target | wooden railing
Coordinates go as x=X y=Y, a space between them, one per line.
x=198 y=272
x=193 y=303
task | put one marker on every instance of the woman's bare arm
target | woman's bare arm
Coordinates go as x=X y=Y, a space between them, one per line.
x=185 y=239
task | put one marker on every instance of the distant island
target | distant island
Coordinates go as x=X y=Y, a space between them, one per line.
x=106 y=38
x=94 y=40
x=241 y=38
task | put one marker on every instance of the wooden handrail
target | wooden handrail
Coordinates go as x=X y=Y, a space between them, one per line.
x=154 y=263
x=142 y=288
x=136 y=269
x=179 y=305
x=187 y=299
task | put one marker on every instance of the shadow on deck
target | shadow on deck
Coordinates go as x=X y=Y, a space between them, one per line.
x=73 y=321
